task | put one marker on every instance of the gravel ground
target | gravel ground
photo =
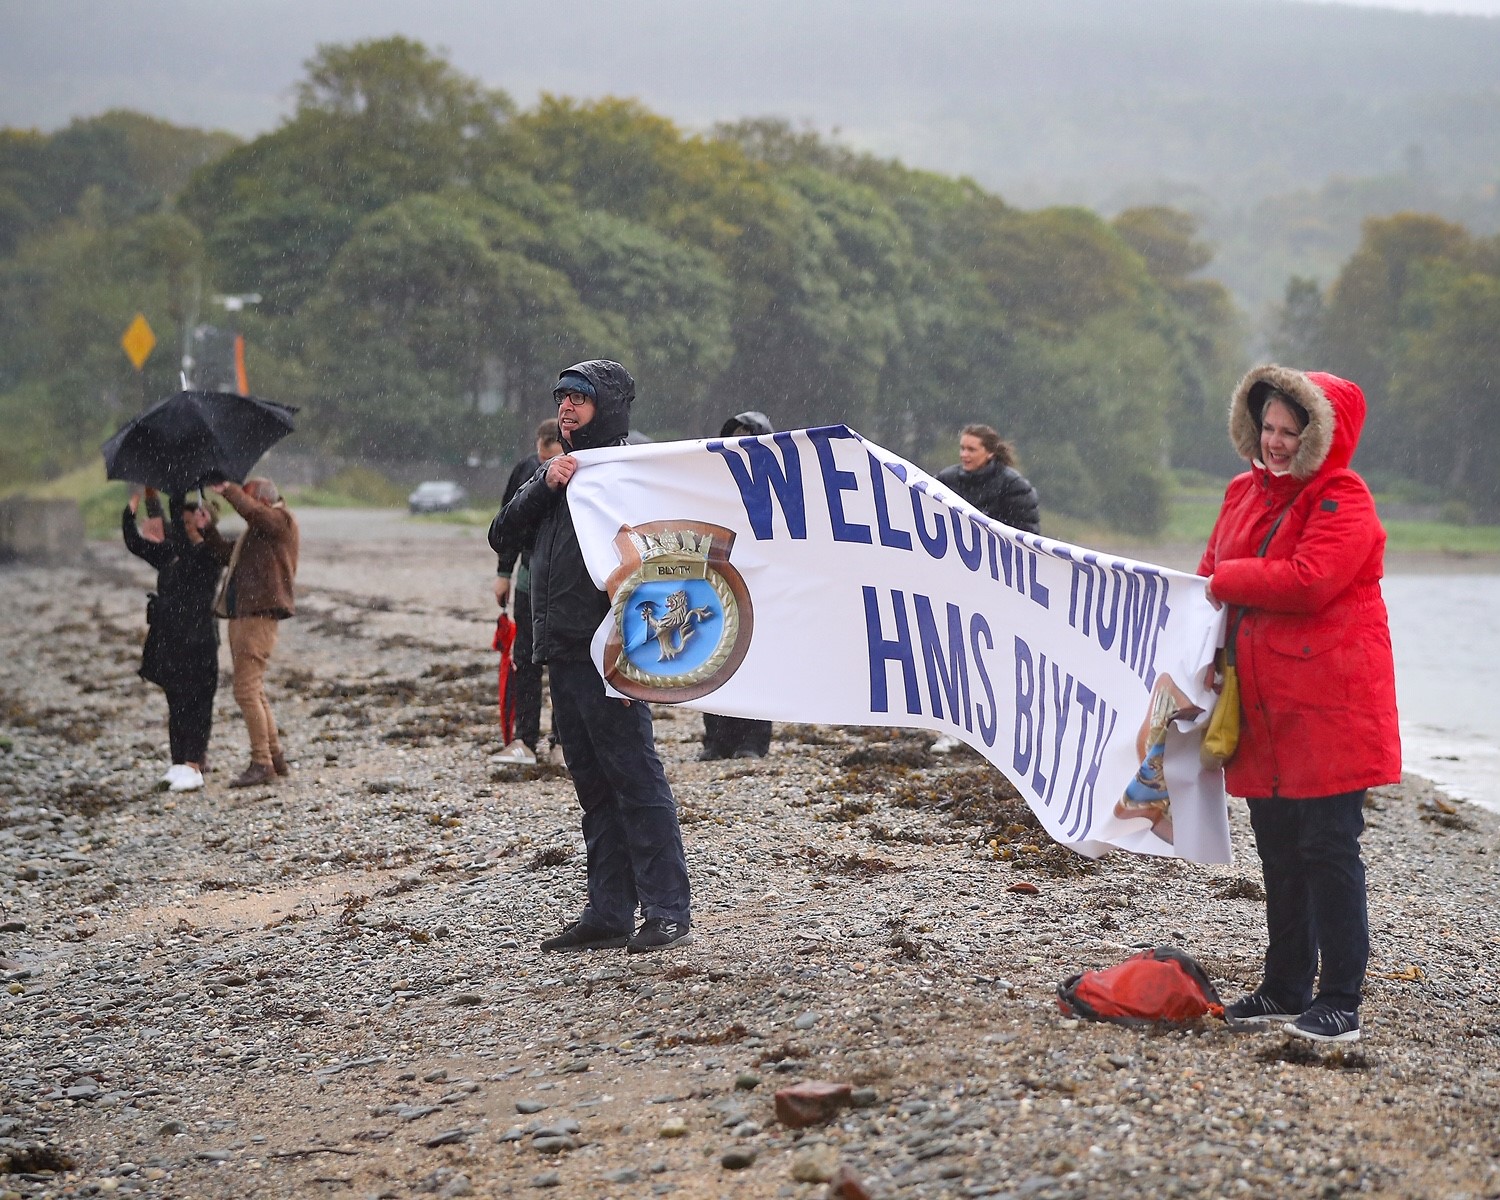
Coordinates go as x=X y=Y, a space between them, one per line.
x=331 y=987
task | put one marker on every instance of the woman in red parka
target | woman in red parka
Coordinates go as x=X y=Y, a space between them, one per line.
x=1297 y=553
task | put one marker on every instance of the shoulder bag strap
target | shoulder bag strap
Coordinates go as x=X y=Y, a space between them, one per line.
x=1239 y=612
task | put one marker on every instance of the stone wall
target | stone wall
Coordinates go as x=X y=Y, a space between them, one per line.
x=49 y=532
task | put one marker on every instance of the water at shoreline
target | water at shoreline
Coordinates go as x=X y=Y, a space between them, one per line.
x=1446 y=633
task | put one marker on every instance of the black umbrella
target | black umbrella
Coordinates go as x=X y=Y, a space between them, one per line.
x=195 y=438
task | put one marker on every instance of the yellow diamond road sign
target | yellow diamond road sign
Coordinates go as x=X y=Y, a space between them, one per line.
x=138 y=341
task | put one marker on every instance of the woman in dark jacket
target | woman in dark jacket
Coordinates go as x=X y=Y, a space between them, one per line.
x=181 y=655
x=986 y=476
x=1297 y=553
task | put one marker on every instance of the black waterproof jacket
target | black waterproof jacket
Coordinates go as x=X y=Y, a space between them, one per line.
x=997 y=491
x=182 y=643
x=566 y=607
x=745 y=423
x=512 y=549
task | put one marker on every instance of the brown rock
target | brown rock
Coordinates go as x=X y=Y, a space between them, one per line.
x=845 y=1185
x=811 y=1103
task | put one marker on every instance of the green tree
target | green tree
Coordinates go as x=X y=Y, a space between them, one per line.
x=1362 y=314
x=1198 y=321
x=829 y=277
x=1445 y=388
x=1368 y=309
x=1297 y=337
x=375 y=122
x=666 y=306
x=425 y=314
x=66 y=298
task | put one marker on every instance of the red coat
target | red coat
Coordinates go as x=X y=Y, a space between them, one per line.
x=1317 y=681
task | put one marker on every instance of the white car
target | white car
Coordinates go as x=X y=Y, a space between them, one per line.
x=437 y=495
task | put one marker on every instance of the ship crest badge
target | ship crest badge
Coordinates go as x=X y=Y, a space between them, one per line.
x=680 y=617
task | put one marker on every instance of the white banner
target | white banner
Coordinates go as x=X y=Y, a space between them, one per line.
x=813 y=576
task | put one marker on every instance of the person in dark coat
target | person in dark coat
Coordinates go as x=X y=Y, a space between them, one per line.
x=630 y=826
x=737 y=737
x=181 y=655
x=986 y=476
x=1298 y=553
x=513 y=584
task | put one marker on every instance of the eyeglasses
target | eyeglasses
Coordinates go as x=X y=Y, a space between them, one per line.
x=576 y=399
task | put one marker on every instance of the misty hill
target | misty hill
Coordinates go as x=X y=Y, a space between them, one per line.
x=1281 y=125
x=1069 y=100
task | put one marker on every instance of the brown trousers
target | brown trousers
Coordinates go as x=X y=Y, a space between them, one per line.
x=251 y=643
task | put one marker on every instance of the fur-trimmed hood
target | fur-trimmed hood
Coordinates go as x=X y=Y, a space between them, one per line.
x=1335 y=416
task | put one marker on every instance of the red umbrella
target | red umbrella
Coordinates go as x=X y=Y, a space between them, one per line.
x=505 y=638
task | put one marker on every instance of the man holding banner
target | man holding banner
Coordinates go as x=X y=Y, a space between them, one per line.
x=630 y=827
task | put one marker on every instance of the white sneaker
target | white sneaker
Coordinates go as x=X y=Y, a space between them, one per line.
x=516 y=752
x=170 y=773
x=188 y=779
x=946 y=744
x=556 y=757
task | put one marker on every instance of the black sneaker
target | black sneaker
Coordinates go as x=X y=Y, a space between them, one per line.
x=657 y=933
x=1256 y=1011
x=1321 y=1023
x=579 y=936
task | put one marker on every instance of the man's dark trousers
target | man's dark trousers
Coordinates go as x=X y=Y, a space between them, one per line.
x=525 y=688
x=635 y=855
x=1315 y=898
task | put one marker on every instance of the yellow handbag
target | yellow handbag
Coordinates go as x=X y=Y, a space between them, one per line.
x=1222 y=736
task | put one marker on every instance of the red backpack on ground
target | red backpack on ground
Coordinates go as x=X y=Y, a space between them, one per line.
x=1155 y=985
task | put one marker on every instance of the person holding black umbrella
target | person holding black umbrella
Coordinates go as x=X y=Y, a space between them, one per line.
x=256 y=595
x=181 y=655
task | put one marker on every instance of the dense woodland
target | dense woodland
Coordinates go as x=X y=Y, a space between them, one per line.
x=429 y=254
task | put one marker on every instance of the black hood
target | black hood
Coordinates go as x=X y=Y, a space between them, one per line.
x=614 y=392
x=754 y=422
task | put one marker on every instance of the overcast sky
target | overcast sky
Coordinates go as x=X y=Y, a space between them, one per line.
x=232 y=64
x=1478 y=8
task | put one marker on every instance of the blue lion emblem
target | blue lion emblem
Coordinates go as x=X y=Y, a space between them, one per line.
x=671 y=616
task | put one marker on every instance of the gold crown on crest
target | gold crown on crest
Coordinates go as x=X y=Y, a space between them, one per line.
x=672 y=543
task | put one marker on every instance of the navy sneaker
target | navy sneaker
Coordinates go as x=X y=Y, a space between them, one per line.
x=1257 y=1011
x=1322 y=1023
x=657 y=933
x=580 y=936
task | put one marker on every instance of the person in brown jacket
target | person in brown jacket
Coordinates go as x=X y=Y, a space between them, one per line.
x=256 y=594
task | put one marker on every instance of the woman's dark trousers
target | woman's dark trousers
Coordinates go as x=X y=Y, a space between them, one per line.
x=1315 y=899
x=635 y=855
x=190 y=719
x=722 y=736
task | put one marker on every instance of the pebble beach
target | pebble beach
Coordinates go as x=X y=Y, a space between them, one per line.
x=331 y=987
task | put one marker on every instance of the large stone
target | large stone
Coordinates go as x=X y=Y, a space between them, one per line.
x=815 y=1164
x=811 y=1103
